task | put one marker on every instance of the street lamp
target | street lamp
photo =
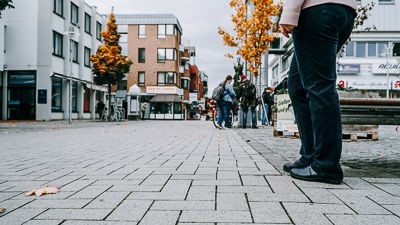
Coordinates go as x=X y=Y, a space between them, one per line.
x=71 y=35
x=388 y=48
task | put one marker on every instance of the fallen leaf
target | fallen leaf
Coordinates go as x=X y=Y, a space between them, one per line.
x=2 y=210
x=43 y=191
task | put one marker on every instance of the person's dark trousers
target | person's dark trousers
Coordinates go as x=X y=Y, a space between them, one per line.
x=253 y=116
x=322 y=31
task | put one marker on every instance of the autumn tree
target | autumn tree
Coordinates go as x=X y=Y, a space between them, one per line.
x=252 y=30
x=109 y=65
x=5 y=4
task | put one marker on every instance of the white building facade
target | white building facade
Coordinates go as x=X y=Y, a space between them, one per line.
x=364 y=63
x=39 y=58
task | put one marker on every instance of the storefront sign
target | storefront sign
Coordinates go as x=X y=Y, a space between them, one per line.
x=382 y=68
x=163 y=90
x=192 y=97
x=22 y=79
x=285 y=114
x=348 y=68
x=368 y=84
x=42 y=96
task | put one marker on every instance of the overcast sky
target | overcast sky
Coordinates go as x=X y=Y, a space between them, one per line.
x=199 y=19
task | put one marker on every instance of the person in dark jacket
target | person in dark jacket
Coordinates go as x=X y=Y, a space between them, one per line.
x=248 y=99
x=100 y=109
x=267 y=107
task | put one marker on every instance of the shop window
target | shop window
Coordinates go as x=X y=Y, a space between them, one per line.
x=141 y=78
x=74 y=98
x=74 y=14
x=178 y=108
x=86 y=100
x=59 y=7
x=56 y=94
x=142 y=31
x=98 y=31
x=142 y=55
x=88 y=24
x=58 y=40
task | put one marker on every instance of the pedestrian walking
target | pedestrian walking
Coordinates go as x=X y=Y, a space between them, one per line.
x=100 y=108
x=319 y=29
x=225 y=102
x=267 y=106
x=248 y=99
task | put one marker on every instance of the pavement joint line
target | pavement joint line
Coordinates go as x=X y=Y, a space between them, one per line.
x=130 y=173
x=179 y=217
x=8 y=212
x=187 y=193
x=19 y=193
x=309 y=199
x=97 y=196
x=91 y=164
x=80 y=189
x=216 y=197
x=269 y=185
x=43 y=175
x=108 y=174
x=45 y=210
x=148 y=210
x=344 y=203
x=398 y=216
x=379 y=188
x=248 y=205
x=165 y=184
x=119 y=204
x=102 y=167
x=287 y=213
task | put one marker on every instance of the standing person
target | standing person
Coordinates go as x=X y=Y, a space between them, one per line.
x=225 y=104
x=100 y=108
x=248 y=99
x=267 y=100
x=144 y=108
x=319 y=29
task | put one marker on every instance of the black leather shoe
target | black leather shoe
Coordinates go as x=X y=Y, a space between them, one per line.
x=309 y=174
x=296 y=164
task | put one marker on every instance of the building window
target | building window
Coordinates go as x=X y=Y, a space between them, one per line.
x=383 y=2
x=372 y=49
x=185 y=83
x=142 y=31
x=56 y=94
x=57 y=44
x=74 y=14
x=142 y=55
x=75 y=51
x=59 y=7
x=382 y=49
x=166 y=54
x=141 y=78
x=350 y=49
x=161 y=31
x=166 y=29
x=98 y=31
x=74 y=99
x=361 y=49
x=87 y=56
x=164 y=78
x=88 y=24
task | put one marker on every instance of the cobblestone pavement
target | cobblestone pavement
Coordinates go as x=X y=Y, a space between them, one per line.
x=363 y=158
x=178 y=173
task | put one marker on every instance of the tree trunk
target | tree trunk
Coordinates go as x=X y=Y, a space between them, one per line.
x=109 y=103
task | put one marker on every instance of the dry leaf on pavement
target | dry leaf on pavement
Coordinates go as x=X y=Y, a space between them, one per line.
x=43 y=191
x=2 y=210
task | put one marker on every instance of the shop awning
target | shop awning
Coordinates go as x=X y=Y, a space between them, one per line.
x=166 y=98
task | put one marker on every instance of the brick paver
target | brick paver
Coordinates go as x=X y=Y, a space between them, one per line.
x=178 y=173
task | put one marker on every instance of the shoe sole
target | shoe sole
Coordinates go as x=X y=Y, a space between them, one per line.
x=316 y=179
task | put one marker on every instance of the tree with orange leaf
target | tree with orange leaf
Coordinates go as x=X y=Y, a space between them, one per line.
x=109 y=65
x=253 y=30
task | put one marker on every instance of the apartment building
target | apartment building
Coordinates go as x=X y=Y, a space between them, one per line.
x=367 y=60
x=160 y=69
x=37 y=64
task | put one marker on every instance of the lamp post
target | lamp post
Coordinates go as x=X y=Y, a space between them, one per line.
x=388 y=51
x=71 y=35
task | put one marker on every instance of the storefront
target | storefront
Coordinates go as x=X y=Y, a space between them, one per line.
x=165 y=103
x=21 y=95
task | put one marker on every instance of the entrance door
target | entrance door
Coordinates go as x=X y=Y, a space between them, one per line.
x=21 y=95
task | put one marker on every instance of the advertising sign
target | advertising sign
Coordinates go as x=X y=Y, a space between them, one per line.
x=163 y=90
x=192 y=97
x=348 y=68
x=382 y=68
x=285 y=114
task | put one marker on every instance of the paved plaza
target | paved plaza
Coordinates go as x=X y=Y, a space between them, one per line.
x=178 y=173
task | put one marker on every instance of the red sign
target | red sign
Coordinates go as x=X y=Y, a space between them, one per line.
x=342 y=84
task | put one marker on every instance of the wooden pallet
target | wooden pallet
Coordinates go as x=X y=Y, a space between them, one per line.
x=283 y=135
x=360 y=132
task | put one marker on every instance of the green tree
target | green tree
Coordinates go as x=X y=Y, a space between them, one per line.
x=5 y=4
x=109 y=65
